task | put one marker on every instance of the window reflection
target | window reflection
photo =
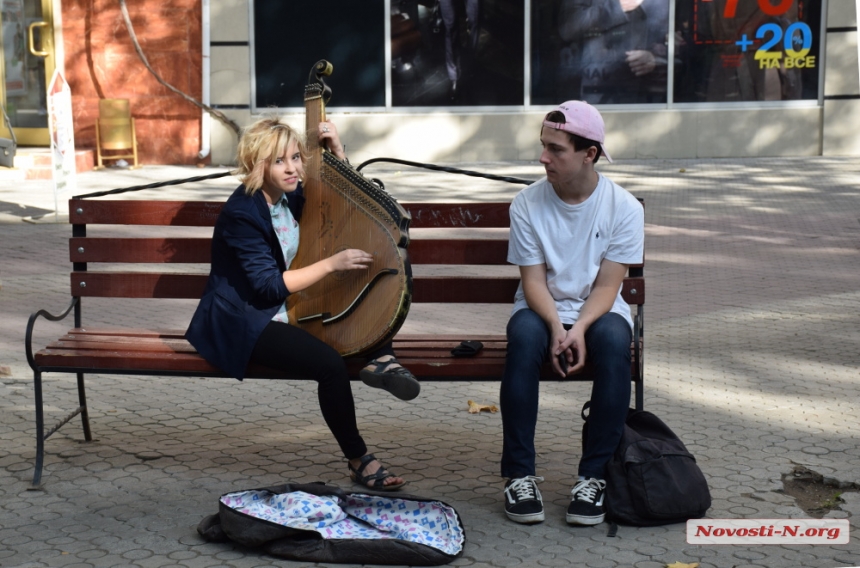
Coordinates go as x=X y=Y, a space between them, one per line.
x=457 y=52
x=601 y=51
x=750 y=50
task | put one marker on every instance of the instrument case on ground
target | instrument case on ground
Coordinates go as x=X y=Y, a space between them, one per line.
x=321 y=523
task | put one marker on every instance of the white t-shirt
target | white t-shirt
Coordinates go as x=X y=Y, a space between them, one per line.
x=572 y=240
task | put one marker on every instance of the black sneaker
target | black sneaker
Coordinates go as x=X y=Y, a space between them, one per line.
x=586 y=503
x=523 y=503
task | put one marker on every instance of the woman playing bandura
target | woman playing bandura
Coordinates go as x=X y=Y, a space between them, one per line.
x=242 y=315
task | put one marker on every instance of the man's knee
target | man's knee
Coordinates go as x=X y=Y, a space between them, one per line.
x=610 y=335
x=527 y=331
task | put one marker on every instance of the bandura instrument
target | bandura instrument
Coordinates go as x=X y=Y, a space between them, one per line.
x=354 y=311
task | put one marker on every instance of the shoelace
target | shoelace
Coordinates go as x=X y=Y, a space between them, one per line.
x=586 y=490
x=525 y=487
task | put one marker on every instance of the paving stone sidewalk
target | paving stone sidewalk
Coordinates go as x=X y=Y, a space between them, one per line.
x=752 y=357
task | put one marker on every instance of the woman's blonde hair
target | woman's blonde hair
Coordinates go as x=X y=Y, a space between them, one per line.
x=259 y=145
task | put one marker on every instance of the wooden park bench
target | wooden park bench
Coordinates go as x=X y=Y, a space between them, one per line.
x=145 y=273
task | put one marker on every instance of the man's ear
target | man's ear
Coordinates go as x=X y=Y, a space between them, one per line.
x=591 y=154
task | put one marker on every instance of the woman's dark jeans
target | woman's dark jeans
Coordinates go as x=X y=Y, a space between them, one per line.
x=291 y=349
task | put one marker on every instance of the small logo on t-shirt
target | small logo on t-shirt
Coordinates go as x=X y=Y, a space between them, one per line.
x=597 y=235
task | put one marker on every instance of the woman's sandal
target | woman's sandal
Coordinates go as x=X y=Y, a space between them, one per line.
x=374 y=480
x=398 y=380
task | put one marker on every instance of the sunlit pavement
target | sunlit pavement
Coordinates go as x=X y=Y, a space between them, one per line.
x=752 y=357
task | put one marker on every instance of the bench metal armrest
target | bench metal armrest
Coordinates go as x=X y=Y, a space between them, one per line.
x=28 y=339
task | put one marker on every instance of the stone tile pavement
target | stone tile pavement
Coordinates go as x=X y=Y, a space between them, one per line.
x=753 y=358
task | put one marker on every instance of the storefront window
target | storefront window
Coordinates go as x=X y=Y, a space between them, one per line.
x=289 y=37
x=747 y=50
x=600 y=51
x=468 y=53
x=457 y=52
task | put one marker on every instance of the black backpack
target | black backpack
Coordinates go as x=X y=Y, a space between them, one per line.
x=651 y=478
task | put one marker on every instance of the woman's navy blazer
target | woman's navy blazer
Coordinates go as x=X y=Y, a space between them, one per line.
x=246 y=285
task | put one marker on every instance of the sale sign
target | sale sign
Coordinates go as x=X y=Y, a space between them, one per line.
x=746 y=50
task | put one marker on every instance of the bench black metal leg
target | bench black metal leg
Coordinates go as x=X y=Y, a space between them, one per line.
x=40 y=431
x=85 y=416
x=640 y=361
x=42 y=436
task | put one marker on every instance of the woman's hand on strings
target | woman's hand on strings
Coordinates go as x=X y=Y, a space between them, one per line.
x=330 y=139
x=350 y=259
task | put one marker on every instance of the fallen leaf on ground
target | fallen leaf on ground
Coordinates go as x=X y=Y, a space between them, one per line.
x=5 y=371
x=682 y=565
x=475 y=408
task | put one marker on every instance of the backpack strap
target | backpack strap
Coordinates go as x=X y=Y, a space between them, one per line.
x=612 y=531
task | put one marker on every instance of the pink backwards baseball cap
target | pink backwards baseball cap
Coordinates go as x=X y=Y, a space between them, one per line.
x=582 y=119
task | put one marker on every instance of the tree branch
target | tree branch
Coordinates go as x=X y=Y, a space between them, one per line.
x=216 y=113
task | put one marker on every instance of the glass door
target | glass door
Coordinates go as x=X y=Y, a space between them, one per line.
x=27 y=31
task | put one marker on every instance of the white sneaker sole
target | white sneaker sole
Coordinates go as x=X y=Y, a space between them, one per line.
x=528 y=519
x=580 y=520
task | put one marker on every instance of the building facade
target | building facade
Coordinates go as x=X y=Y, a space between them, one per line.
x=468 y=80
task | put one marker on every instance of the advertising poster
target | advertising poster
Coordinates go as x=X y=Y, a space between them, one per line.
x=14 y=46
x=747 y=50
x=62 y=137
x=457 y=52
x=617 y=51
x=602 y=52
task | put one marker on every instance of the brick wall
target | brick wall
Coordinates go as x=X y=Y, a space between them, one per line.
x=101 y=62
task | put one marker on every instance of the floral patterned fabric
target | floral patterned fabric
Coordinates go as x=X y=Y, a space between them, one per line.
x=287 y=230
x=356 y=517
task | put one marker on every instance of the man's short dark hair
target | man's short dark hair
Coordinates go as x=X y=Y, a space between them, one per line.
x=579 y=143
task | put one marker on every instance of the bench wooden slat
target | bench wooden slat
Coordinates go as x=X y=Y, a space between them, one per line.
x=138 y=285
x=130 y=349
x=458 y=251
x=205 y=213
x=421 y=337
x=133 y=362
x=178 y=344
x=425 y=289
x=125 y=212
x=458 y=215
x=123 y=344
x=176 y=363
x=500 y=343
x=199 y=250
x=128 y=331
x=118 y=359
x=149 y=250
x=180 y=333
x=462 y=289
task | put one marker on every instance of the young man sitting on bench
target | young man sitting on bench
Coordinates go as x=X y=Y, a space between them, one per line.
x=573 y=234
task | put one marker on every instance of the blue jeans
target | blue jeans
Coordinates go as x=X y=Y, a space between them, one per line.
x=607 y=343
